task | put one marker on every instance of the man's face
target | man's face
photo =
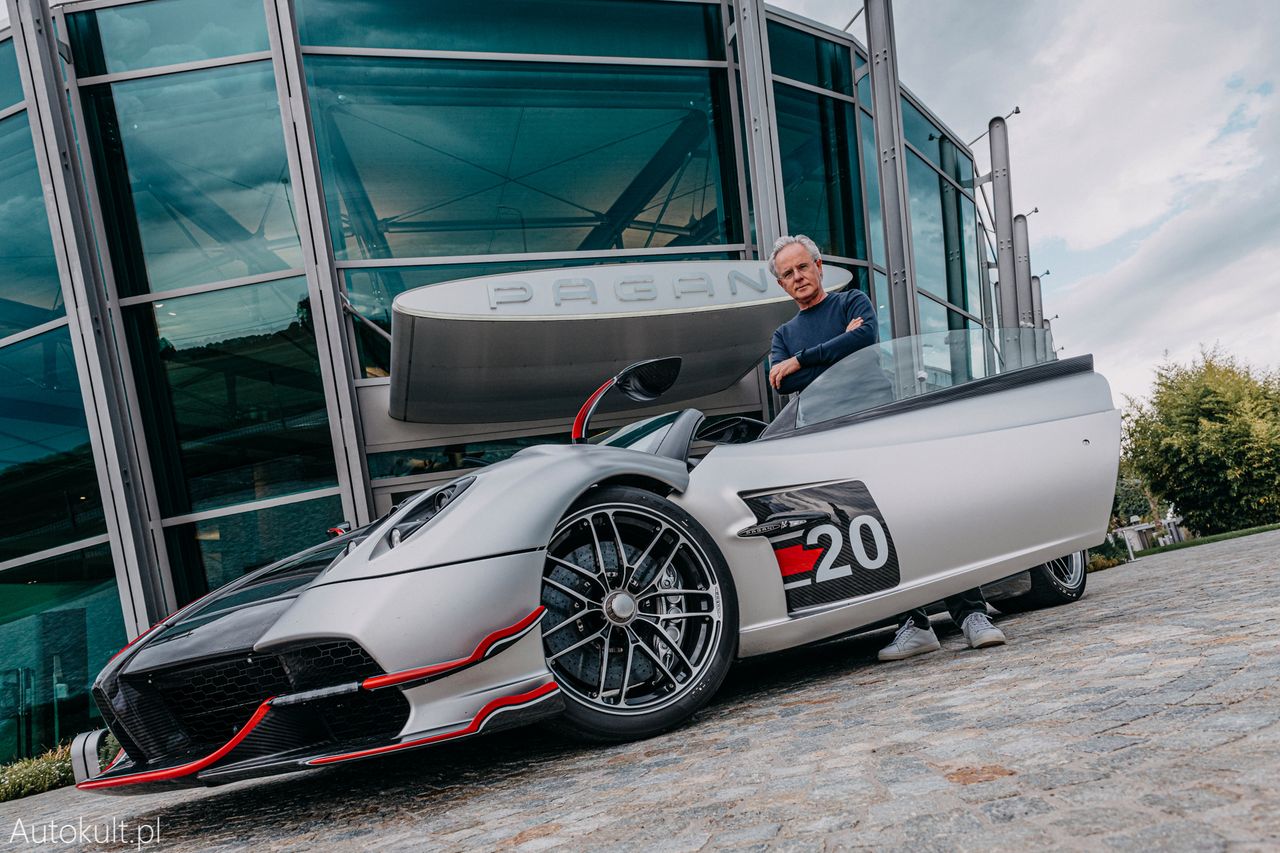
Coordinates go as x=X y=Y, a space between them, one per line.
x=799 y=275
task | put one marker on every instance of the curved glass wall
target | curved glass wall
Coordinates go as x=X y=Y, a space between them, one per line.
x=164 y=32
x=634 y=28
x=425 y=158
x=30 y=293
x=193 y=177
x=60 y=622
x=48 y=484
x=232 y=395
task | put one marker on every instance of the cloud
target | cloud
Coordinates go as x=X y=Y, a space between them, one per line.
x=1148 y=138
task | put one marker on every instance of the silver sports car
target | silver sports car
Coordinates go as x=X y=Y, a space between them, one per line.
x=612 y=584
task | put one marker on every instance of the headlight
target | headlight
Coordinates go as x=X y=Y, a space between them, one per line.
x=427 y=508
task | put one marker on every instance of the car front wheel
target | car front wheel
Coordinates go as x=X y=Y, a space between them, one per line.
x=641 y=623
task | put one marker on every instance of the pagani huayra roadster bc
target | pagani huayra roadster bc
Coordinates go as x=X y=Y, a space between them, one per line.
x=611 y=584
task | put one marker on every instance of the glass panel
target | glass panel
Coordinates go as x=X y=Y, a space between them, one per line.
x=373 y=290
x=972 y=274
x=871 y=170
x=908 y=367
x=884 y=319
x=460 y=158
x=207 y=554
x=165 y=32
x=582 y=27
x=48 y=484
x=60 y=622
x=193 y=177
x=816 y=139
x=925 y=189
x=809 y=59
x=929 y=139
x=231 y=389
x=864 y=89
x=29 y=290
x=10 y=82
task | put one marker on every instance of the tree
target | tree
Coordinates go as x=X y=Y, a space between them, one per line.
x=1209 y=442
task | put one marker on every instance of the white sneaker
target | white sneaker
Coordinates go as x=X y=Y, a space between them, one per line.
x=980 y=633
x=911 y=641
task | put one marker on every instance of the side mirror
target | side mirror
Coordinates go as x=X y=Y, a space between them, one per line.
x=643 y=382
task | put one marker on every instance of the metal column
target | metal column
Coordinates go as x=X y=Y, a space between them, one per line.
x=762 y=140
x=998 y=134
x=141 y=586
x=1037 y=320
x=887 y=104
x=335 y=345
x=1022 y=270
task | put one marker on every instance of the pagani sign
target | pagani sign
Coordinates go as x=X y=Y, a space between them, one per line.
x=532 y=345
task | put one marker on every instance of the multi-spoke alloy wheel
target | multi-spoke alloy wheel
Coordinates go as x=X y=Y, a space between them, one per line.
x=640 y=613
x=1059 y=581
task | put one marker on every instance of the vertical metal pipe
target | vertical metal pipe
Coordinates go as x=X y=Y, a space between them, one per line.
x=1037 y=320
x=1022 y=270
x=887 y=104
x=133 y=551
x=998 y=134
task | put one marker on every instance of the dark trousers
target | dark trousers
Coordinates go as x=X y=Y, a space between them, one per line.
x=959 y=606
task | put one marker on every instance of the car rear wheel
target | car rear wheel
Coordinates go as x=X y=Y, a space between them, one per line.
x=1059 y=581
x=642 y=620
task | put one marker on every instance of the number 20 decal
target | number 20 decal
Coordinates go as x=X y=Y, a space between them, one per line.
x=827 y=570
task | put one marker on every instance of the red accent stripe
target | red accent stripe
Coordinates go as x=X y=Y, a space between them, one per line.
x=471 y=728
x=126 y=646
x=376 y=681
x=796 y=559
x=183 y=769
x=580 y=422
x=115 y=761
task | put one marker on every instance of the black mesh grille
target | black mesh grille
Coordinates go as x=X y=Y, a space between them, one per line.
x=195 y=709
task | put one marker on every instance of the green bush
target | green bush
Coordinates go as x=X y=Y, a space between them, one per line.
x=36 y=775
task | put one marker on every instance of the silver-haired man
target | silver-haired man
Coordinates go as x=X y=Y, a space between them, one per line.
x=828 y=327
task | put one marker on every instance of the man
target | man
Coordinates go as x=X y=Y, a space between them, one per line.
x=828 y=327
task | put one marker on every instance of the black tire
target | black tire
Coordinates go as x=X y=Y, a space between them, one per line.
x=1056 y=582
x=632 y=660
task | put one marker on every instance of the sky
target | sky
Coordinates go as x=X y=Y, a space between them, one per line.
x=1149 y=139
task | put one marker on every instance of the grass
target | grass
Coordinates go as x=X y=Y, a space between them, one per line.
x=1205 y=540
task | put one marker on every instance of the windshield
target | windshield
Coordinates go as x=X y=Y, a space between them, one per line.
x=907 y=367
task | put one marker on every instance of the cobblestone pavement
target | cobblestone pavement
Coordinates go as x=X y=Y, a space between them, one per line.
x=1147 y=716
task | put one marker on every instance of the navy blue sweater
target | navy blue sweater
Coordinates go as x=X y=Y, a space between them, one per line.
x=817 y=338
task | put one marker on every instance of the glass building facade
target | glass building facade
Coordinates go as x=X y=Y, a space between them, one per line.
x=248 y=167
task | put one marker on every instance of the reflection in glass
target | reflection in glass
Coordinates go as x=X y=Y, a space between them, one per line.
x=193 y=177
x=809 y=59
x=929 y=139
x=454 y=457
x=816 y=140
x=972 y=275
x=373 y=290
x=10 y=82
x=207 y=554
x=582 y=27
x=29 y=290
x=871 y=171
x=231 y=388
x=429 y=158
x=884 y=318
x=927 y=241
x=164 y=32
x=48 y=484
x=60 y=622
